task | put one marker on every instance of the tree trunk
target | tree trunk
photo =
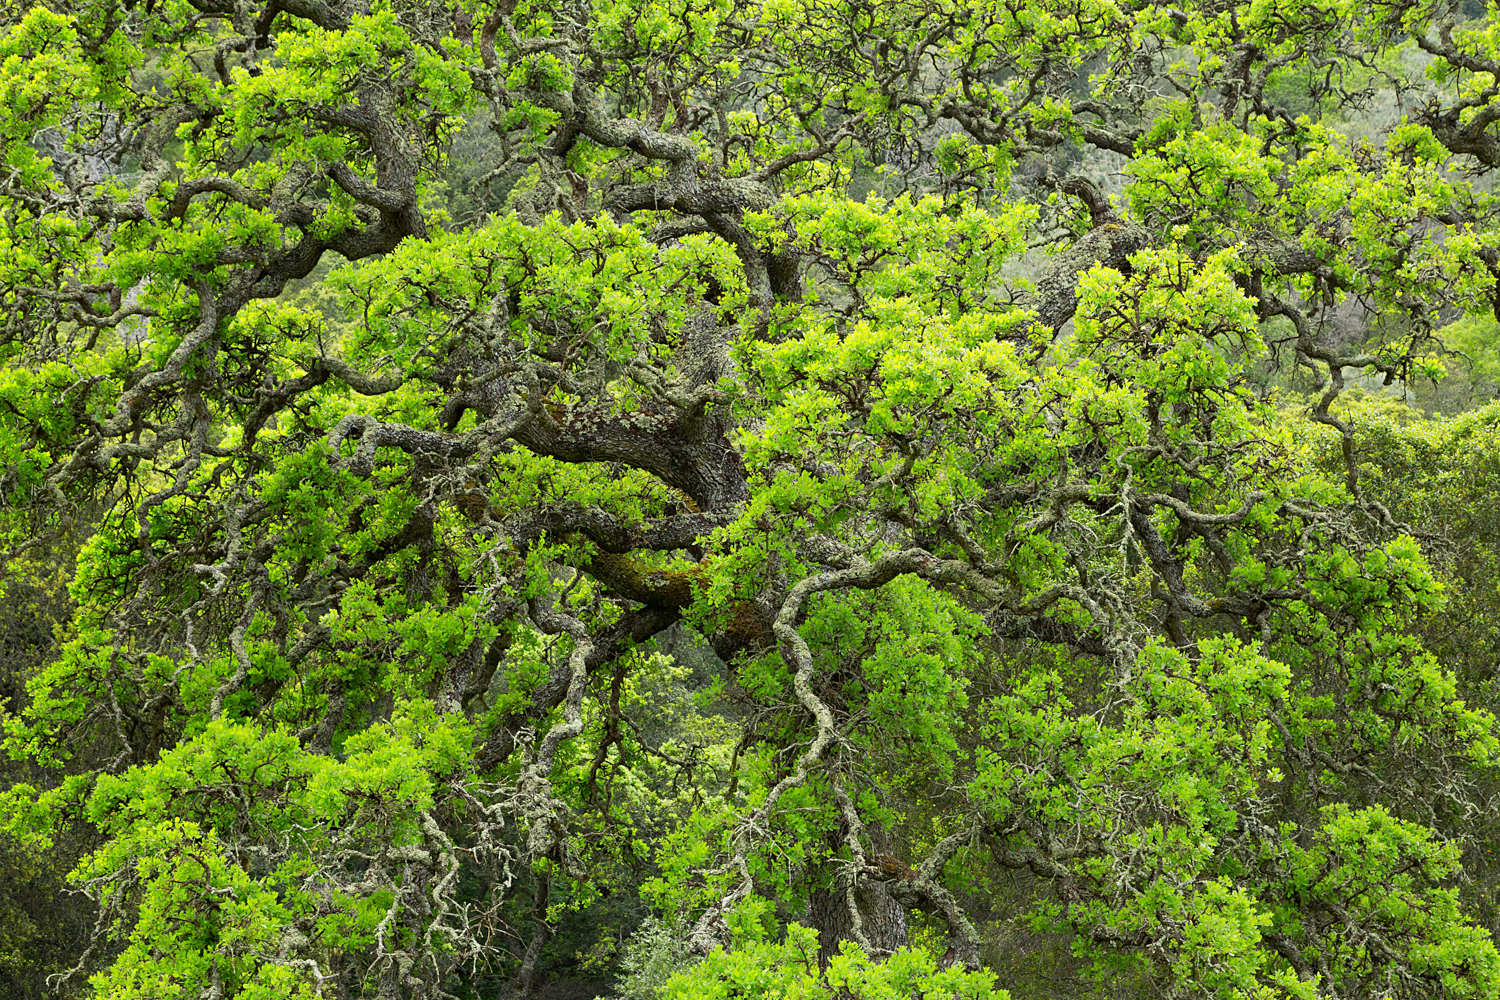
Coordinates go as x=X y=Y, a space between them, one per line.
x=884 y=921
x=529 y=980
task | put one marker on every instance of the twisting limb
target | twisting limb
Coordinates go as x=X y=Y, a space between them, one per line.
x=534 y=786
x=865 y=576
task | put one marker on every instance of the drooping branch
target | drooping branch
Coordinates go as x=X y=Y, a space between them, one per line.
x=691 y=455
x=611 y=533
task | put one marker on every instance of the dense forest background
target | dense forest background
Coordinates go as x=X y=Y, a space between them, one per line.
x=750 y=498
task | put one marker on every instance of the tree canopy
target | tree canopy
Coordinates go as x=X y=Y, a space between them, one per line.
x=752 y=498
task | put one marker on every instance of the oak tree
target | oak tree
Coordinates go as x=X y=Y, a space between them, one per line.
x=802 y=468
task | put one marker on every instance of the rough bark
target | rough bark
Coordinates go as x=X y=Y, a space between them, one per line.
x=882 y=919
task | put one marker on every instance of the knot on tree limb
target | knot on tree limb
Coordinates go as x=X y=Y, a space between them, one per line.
x=888 y=866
